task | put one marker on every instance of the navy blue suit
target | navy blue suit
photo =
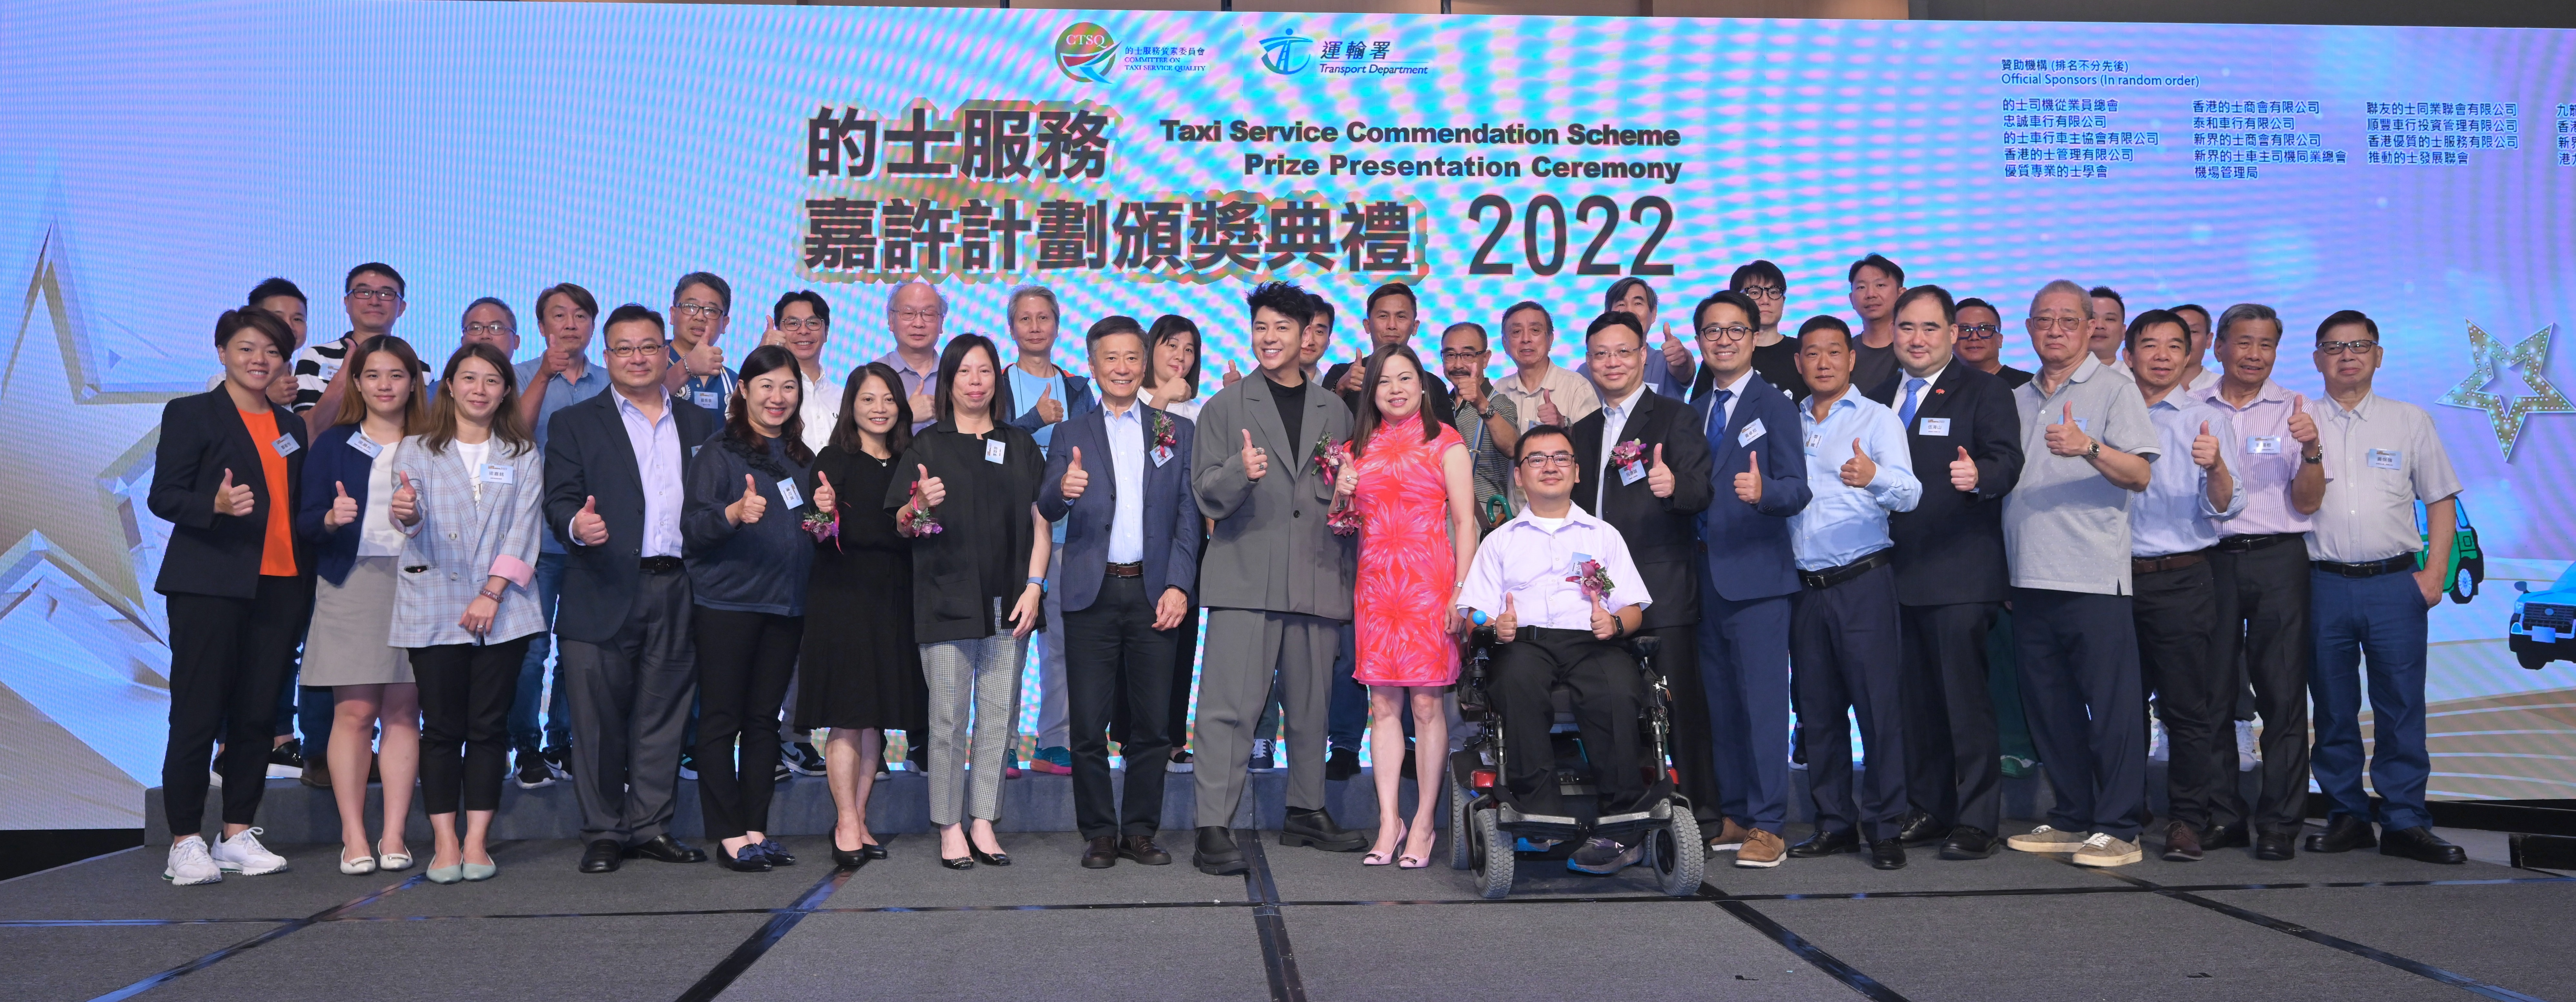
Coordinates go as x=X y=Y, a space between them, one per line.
x=1747 y=575
x=331 y=466
x=1117 y=666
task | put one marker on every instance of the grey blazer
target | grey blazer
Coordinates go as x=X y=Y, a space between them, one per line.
x=461 y=542
x=1271 y=549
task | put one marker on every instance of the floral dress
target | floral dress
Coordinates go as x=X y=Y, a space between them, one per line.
x=1407 y=571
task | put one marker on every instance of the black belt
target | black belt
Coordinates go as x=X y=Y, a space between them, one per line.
x=660 y=565
x=2168 y=562
x=2401 y=563
x=1832 y=576
x=2249 y=544
x=1134 y=570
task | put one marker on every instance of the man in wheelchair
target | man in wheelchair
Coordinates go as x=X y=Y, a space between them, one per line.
x=1558 y=588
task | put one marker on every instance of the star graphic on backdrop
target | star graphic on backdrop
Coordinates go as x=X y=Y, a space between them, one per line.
x=2507 y=413
x=73 y=446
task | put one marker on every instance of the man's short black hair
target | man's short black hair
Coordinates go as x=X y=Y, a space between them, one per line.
x=2139 y=324
x=272 y=287
x=1730 y=297
x=1761 y=270
x=724 y=293
x=1393 y=289
x=1522 y=448
x=1615 y=318
x=809 y=297
x=375 y=268
x=1878 y=261
x=1530 y=304
x=632 y=312
x=2205 y=315
x=1323 y=310
x=1283 y=298
x=1823 y=322
x=1619 y=290
x=2107 y=292
x=1949 y=310
x=1978 y=303
x=2341 y=317
x=1109 y=325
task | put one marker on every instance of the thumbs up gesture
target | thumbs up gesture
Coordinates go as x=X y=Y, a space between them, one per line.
x=405 y=506
x=233 y=499
x=1748 y=484
x=749 y=509
x=2204 y=449
x=1050 y=410
x=1509 y=622
x=1963 y=472
x=1355 y=375
x=932 y=490
x=1858 y=471
x=2064 y=438
x=2303 y=428
x=1232 y=374
x=587 y=527
x=772 y=336
x=344 y=509
x=1603 y=623
x=1547 y=412
x=1676 y=354
x=1075 y=479
x=826 y=500
x=1659 y=477
x=1255 y=461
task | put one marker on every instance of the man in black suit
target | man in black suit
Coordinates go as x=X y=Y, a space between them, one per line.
x=1653 y=492
x=1950 y=574
x=613 y=465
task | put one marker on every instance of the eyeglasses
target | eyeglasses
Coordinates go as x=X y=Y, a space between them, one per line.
x=632 y=350
x=694 y=308
x=495 y=327
x=1543 y=460
x=2060 y=323
x=2346 y=347
x=1728 y=332
x=1620 y=354
x=815 y=325
x=1763 y=293
x=1980 y=332
x=380 y=293
x=1463 y=354
x=918 y=316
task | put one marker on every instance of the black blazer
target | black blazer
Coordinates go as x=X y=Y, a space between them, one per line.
x=202 y=435
x=1950 y=548
x=1662 y=533
x=588 y=456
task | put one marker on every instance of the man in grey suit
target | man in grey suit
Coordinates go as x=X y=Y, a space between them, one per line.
x=1276 y=584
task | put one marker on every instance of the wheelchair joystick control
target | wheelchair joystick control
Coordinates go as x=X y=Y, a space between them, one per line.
x=1478 y=615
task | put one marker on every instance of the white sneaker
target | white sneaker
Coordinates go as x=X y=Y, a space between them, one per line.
x=190 y=865
x=2157 y=744
x=244 y=855
x=2248 y=753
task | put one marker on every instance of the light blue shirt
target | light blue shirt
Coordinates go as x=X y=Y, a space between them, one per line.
x=2173 y=515
x=1025 y=390
x=560 y=393
x=1127 y=464
x=1841 y=524
x=658 y=461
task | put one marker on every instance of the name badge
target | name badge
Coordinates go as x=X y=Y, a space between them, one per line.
x=2084 y=425
x=993 y=451
x=1939 y=426
x=1751 y=431
x=362 y=443
x=2383 y=459
x=704 y=399
x=1814 y=440
x=1162 y=454
x=787 y=492
x=496 y=473
x=285 y=445
x=693 y=451
x=1630 y=473
x=2262 y=445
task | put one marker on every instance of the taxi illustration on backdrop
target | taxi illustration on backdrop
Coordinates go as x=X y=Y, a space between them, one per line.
x=2543 y=628
x=2468 y=564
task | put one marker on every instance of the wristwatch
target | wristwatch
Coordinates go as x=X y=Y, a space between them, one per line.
x=2094 y=449
x=2318 y=458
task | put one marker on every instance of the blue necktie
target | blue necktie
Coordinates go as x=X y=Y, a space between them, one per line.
x=1905 y=414
x=1717 y=421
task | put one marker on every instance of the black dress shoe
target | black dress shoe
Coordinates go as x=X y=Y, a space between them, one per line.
x=1100 y=853
x=873 y=850
x=1918 y=828
x=2420 y=844
x=1343 y=763
x=849 y=859
x=2182 y=844
x=2344 y=833
x=601 y=856
x=2276 y=847
x=1969 y=842
x=2235 y=836
x=749 y=859
x=1142 y=849
x=1887 y=854
x=1825 y=843
x=987 y=858
x=1217 y=855
x=664 y=848
x=1316 y=828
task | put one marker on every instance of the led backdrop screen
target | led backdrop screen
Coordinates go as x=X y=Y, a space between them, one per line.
x=160 y=158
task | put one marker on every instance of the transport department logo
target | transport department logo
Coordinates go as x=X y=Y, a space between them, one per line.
x=1086 y=52
x=1287 y=54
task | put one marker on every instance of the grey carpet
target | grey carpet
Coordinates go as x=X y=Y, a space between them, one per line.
x=2515 y=936
x=86 y=962
x=1143 y=955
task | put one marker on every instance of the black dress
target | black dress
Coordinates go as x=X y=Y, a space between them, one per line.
x=859 y=666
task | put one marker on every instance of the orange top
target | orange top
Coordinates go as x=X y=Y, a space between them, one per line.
x=277 y=552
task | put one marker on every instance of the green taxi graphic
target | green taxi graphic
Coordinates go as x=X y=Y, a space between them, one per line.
x=2468 y=564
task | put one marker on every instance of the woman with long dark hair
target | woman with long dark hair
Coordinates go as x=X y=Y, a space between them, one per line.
x=860 y=671
x=345 y=515
x=742 y=523
x=1172 y=384
x=1408 y=478
x=966 y=492
x=466 y=492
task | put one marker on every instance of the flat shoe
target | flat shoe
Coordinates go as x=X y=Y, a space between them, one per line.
x=446 y=874
x=480 y=871
x=394 y=862
x=358 y=867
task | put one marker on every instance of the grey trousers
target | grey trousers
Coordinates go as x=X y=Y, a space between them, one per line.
x=630 y=703
x=1245 y=649
x=985 y=673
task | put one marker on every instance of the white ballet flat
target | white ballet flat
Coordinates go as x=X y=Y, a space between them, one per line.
x=394 y=862
x=358 y=867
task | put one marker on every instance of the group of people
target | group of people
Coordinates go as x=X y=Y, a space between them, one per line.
x=1869 y=522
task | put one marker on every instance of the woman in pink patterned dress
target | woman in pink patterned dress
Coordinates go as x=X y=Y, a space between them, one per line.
x=1408 y=480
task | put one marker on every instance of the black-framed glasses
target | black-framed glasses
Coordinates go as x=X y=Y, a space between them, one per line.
x=693 y=308
x=1464 y=354
x=1763 y=293
x=1543 y=460
x=1727 y=332
x=632 y=350
x=815 y=325
x=1980 y=332
x=495 y=327
x=2346 y=347
x=380 y=293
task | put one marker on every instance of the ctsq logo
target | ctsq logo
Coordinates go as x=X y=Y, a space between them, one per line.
x=1086 y=52
x=1287 y=54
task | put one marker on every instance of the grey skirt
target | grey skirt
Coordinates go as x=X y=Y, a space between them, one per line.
x=351 y=642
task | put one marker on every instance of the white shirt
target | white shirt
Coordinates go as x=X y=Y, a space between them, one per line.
x=473 y=455
x=1614 y=420
x=1529 y=558
x=378 y=536
x=819 y=407
x=1723 y=413
x=1127 y=466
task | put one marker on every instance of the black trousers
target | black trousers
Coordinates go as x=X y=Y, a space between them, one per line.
x=745 y=660
x=2261 y=599
x=2195 y=694
x=465 y=696
x=1843 y=654
x=1609 y=692
x=1115 y=658
x=1679 y=660
x=2088 y=714
x=227 y=656
x=1953 y=758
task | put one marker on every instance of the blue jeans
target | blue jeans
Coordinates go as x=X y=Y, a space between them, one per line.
x=532 y=670
x=2374 y=624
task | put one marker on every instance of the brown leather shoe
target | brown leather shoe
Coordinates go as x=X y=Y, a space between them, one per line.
x=1141 y=848
x=1101 y=853
x=1762 y=850
x=1729 y=837
x=317 y=774
x=2182 y=845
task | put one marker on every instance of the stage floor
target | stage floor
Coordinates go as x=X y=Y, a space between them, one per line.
x=1303 y=925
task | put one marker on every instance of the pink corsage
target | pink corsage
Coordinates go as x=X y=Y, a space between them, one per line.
x=1591 y=578
x=1333 y=458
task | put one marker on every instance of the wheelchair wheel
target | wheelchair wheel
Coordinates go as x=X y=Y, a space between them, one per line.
x=1461 y=830
x=1493 y=852
x=1677 y=855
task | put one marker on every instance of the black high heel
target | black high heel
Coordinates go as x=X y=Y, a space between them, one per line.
x=873 y=850
x=958 y=864
x=988 y=859
x=849 y=859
